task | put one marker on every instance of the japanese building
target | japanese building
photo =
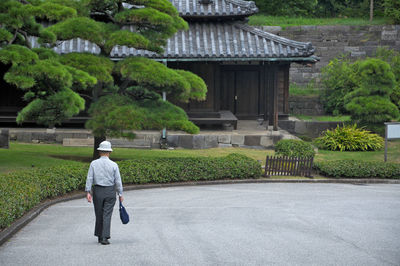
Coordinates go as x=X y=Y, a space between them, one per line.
x=246 y=69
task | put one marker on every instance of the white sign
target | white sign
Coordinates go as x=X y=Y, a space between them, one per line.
x=393 y=130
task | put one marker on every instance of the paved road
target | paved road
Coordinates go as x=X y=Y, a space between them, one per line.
x=241 y=224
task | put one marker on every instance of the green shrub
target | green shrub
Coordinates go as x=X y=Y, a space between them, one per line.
x=358 y=169
x=21 y=191
x=294 y=148
x=349 y=138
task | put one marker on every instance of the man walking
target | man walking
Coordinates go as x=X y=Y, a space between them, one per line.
x=104 y=175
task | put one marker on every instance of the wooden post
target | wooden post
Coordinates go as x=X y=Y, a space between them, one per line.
x=386 y=136
x=286 y=89
x=217 y=87
x=275 y=109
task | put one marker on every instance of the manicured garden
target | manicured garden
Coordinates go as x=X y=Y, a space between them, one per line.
x=31 y=173
x=22 y=156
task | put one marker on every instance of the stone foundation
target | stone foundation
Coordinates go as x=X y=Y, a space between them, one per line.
x=4 y=139
x=151 y=139
x=311 y=129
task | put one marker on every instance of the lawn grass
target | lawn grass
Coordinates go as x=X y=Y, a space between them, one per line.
x=264 y=20
x=393 y=154
x=23 y=156
x=324 y=118
x=298 y=91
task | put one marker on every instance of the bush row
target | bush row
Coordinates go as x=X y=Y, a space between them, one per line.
x=21 y=191
x=164 y=170
x=358 y=169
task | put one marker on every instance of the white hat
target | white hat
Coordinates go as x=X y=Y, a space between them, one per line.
x=105 y=146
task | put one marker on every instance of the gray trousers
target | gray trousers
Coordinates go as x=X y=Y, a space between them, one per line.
x=103 y=200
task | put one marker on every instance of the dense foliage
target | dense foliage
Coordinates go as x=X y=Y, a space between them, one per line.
x=358 y=169
x=21 y=191
x=294 y=148
x=392 y=10
x=349 y=138
x=368 y=89
x=328 y=8
x=337 y=80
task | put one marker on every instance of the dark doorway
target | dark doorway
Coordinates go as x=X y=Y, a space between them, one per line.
x=240 y=91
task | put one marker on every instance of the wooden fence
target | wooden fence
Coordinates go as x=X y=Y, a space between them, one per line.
x=288 y=166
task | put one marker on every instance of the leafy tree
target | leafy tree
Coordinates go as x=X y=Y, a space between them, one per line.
x=305 y=8
x=338 y=79
x=370 y=103
x=123 y=96
x=392 y=10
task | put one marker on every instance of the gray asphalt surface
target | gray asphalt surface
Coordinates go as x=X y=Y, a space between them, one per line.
x=240 y=224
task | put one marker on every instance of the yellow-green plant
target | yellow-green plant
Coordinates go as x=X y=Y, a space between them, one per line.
x=350 y=138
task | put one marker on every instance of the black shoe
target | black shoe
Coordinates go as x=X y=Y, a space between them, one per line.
x=104 y=241
x=98 y=239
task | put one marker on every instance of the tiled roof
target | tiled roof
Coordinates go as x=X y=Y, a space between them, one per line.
x=224 y=40
x=219 y=8
x=206 y=40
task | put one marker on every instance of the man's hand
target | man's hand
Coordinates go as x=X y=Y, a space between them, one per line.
x=89 y=197
x=121 y=199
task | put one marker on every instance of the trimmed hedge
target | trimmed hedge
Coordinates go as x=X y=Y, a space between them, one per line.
x=294 y=148
x=164 y=170
x=358 y=169
x=23 y=190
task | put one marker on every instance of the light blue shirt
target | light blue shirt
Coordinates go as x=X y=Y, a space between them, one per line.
x=104 y=172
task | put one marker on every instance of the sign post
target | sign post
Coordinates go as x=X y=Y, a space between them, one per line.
x=392 y=131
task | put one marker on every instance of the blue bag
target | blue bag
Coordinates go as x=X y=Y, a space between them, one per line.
x=123 y=214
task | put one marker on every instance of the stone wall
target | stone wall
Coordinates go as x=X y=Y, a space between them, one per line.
x=305 y=105
x=4 y=138
x=331 y=41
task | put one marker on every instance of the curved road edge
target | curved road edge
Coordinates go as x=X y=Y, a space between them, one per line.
x=10 y=231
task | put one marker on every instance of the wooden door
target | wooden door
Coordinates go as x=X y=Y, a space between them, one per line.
x=240 y=92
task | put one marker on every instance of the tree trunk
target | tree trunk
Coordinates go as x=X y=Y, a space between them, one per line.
x=371 y=10
x=97 y=141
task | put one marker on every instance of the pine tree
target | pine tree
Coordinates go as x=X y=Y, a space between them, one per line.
x=370 y=103
x=123 y=96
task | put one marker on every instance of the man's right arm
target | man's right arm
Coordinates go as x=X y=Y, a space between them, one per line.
x=89 y=182
x=89 y=179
